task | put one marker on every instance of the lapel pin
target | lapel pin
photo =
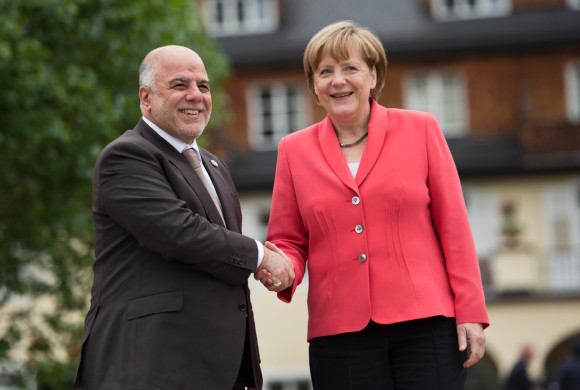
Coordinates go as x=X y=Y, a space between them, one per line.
x=214 y=163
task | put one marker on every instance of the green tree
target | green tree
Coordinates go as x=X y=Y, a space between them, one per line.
x=68 y=77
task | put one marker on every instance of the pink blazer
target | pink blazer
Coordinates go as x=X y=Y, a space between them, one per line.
x=394 y=243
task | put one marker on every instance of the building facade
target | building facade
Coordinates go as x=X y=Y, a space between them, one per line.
x=503 y=79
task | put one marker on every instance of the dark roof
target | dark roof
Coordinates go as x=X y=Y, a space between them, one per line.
x=498 y=156
x=405 y=27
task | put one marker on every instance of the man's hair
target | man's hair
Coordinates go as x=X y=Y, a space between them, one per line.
x=147 y=75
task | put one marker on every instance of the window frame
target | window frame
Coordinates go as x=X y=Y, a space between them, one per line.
x=279 y=110
x=562 y=204
x=572 y=91
x=484 y=212
x=462 y=10
x=435 y=104
x=573 y=4
x=231 y=25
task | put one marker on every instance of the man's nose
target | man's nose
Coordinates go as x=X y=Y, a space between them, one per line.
x=193 y=93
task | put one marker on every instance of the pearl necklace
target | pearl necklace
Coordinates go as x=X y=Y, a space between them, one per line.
x=358 y=141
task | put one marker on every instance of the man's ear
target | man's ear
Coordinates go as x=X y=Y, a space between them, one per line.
x=145 y=97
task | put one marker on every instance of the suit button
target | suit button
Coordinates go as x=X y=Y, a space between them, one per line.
x=359 y=229
x=242 y=307
x=355 y=200
x=362 y=257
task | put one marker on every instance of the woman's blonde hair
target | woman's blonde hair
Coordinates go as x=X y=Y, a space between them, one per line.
x=336 y=40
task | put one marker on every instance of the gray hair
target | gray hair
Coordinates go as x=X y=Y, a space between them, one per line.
x=147 y=76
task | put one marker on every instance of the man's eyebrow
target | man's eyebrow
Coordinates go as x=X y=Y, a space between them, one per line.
x=186 y=81
x=179 y=80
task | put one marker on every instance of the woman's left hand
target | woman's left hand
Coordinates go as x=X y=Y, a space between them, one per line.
x=472 y=332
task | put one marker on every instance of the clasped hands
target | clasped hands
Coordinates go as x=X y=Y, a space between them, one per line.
x=276 y=271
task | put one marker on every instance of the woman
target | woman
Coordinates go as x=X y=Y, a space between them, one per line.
x=370 y=199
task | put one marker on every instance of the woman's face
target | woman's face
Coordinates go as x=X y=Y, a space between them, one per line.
x=343 y=88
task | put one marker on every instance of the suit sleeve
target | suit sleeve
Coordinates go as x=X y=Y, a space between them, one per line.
x=452 y=225
x=134 y=192
x=285 y=228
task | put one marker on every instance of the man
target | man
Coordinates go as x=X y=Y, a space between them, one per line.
x=170 y=306
x=518 y=378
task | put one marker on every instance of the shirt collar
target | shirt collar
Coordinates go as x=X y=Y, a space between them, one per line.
x=178 y=144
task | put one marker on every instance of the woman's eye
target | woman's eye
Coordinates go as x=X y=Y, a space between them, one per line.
x=324 y=72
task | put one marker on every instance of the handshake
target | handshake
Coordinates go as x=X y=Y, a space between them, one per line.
x=276 y=271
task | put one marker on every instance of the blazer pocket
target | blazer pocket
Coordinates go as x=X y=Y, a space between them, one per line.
x=156 y=303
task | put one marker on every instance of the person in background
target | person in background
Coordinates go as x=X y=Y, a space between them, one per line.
x=369 y=201
x=569 y=375
x=518 y=378
x=170 y=305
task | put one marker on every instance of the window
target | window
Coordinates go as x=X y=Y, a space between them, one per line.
x=274 y=111
x=443 y=95
x=484 y=211
x=574 y=4
x=572 y=88
x=238 y=17
x=469 y=9
x=562 y=209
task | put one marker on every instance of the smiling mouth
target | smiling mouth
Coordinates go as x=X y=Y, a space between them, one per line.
x=190 y=112
x=340 y=95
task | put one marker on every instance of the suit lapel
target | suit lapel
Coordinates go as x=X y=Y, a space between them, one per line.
x=222 y=187
x=181 y=163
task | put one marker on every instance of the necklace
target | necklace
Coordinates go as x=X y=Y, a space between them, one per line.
x=358 y=141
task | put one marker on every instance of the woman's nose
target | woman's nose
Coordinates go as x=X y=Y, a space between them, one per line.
x=338 y=78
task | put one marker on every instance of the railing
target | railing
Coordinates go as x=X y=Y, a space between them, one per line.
x=530 y=271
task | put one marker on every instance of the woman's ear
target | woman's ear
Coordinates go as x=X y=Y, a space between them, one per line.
x=373 y=77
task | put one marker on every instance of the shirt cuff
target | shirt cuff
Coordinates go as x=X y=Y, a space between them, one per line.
x=260 y=253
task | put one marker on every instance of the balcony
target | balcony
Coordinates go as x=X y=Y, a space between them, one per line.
x=527 y=271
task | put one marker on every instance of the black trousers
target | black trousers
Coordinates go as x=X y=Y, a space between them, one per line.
x=412 y=355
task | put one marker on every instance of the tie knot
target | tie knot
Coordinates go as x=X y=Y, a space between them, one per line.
x=191 y=156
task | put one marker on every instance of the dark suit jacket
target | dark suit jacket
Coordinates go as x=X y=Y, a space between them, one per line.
x=170 y=305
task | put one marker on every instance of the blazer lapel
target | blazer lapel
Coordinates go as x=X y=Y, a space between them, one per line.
x=181 y=163
x=333 y=154
x=376 y=140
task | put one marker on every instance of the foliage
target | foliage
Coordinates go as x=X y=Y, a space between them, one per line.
x=68 y=71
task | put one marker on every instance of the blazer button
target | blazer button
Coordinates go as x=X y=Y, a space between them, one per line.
x=359 y=229
x=362 y=257
x=242 y=307
x=355 y=200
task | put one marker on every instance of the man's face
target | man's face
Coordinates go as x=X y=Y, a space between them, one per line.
x=180 y=102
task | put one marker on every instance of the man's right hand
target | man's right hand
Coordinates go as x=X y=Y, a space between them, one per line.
x=276 y=271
